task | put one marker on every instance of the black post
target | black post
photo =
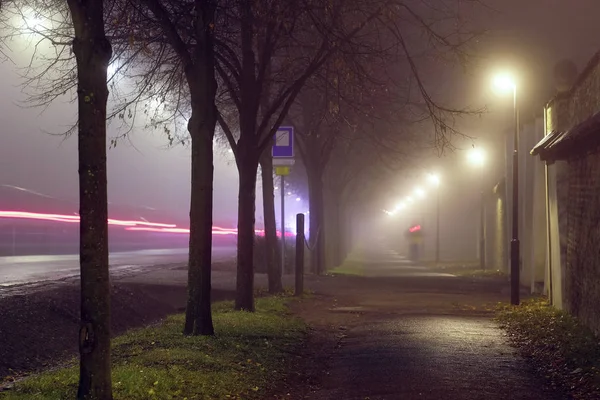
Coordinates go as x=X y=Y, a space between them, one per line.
x=482 y=233
x=282 y=191
x=515 y=245
x=437 y=228
x=299 y=255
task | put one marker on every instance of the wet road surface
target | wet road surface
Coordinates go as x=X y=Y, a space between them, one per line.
x=404 y=332
x=21 y=270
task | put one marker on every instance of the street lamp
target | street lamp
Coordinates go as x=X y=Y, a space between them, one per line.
x=435 y=181
x=400 y=206
x=477 y=158
x=420 y=193
x=31 y=20
x=507 y=83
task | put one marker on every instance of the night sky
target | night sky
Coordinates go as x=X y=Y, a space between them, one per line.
x=528 y=35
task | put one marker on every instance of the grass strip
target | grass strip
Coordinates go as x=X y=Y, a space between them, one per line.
x=246 y=359
x=565 y=351
x=349 y=268
x=467 y=270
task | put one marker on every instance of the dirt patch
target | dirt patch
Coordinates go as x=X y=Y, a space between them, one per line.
x=39 y=329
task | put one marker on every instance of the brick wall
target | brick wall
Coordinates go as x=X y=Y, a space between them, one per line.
x=582 y=272
x=578 y=199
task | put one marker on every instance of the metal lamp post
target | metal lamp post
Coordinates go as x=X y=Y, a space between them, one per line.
x=507 y=83
x=437 y=227
x=515 y=244
x=482 y=260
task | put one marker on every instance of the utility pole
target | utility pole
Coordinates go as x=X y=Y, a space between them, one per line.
x=437 y=228
x=299 y=286
x=515 y=245
x=282 y=224
x=482 y=227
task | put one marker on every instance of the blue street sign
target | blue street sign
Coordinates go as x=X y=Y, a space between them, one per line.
x=284 y=143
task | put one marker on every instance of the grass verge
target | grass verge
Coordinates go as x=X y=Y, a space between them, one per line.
x=349 y=267
x=246 y=359
x=566 y=352
x=469 y=271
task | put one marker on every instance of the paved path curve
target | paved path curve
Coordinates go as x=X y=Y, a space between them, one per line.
x=407 y=333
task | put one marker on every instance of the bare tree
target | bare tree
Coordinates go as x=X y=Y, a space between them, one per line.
x=377 y=78
x=273 y=252
x=78 y=25
x=93 y=52
x=274 y=42
x=196 y=61
x=163 y=54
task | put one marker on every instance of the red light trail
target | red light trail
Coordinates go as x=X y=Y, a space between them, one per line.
x=128 y=224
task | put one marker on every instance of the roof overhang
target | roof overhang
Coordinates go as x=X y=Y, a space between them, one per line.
x=582 y=139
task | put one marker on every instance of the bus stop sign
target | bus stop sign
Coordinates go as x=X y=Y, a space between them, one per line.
x=284 y=143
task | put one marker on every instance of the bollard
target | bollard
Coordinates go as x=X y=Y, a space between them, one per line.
x=299 y=255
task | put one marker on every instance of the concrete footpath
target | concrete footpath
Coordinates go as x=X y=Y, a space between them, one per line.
x=404 y=332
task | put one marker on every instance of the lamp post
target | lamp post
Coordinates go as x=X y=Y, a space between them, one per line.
x=435 y=180
x=507 y=83
x=477 y=158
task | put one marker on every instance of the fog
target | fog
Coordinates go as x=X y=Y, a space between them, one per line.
x=142 y=171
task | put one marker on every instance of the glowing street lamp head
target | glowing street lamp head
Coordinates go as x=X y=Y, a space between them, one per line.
x=476 y=157
x=505 y=83
x=31 y=19
x=400 y=206
x=420 y=193
x=409 y=199
x=434 y=179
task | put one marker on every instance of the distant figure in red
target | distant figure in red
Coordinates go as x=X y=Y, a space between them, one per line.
x=414 y=236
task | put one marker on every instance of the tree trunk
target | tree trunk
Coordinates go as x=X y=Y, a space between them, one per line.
x=92 y=52
x=348 y=241
x=274 y=270
x=340 y=250
x=335 y=232
x=198 y=316
x=247 y=168
x=201 y=126
x=331 y=229
x=317 y=234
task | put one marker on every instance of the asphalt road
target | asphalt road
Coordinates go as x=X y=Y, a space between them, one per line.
x=404 y=332
x=31 y=269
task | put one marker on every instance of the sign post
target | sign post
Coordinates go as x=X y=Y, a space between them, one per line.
x=283 y=158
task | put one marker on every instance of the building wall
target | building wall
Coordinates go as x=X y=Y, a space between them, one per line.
x=556 y=271
x=495 y=231
x=577 y=205
x=557 y=119
x=582 y=285
x=533 y=224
